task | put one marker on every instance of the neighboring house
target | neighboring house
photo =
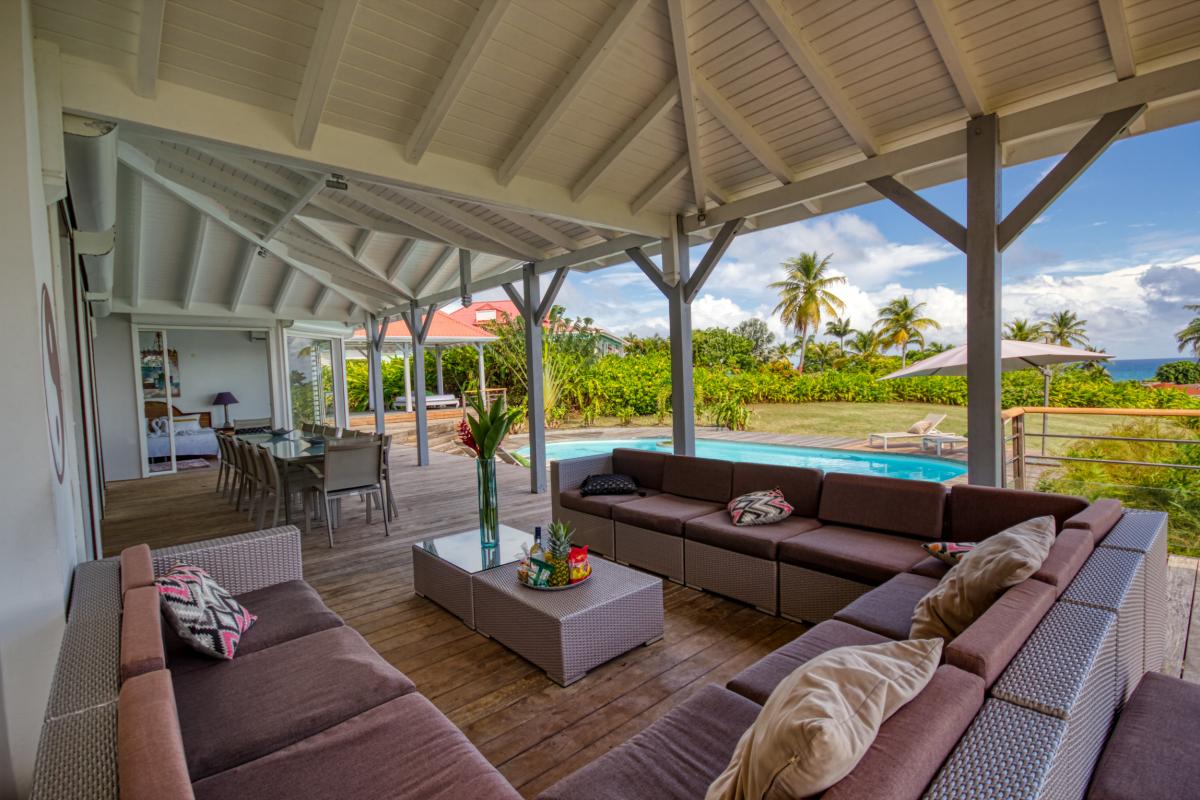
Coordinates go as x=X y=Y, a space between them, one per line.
x=485 y=311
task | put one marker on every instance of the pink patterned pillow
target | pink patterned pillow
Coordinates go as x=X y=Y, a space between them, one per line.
x=203 y=614
x=759 y=508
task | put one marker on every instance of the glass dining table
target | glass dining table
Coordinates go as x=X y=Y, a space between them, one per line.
x=290 y=448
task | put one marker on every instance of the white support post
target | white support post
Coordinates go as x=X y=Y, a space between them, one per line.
x=536 y=410
x=677 y=265
x=341 y=400
x=408 y=394
x=482 y=381
x=376 y=330
x=418 y=326
x=437 y=357
x=985 y=466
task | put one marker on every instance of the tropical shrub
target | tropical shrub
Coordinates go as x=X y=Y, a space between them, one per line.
x=1178 y=372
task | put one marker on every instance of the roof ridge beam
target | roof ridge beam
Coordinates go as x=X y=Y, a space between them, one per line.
x=687 y=102
x=661 y=183
x=149 y=43
x=742 y=130
x=465 y=55
x=1116 y=29
x=938 y=23
x=195 y=266
x=601 y=45
x=323 y=57
x=666 y=99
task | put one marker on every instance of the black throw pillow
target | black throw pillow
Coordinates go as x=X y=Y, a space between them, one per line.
x=608 y=484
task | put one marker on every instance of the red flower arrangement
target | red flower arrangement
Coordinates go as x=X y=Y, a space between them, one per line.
x=466 y=437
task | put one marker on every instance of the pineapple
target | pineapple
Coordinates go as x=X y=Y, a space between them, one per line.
x=559 y=552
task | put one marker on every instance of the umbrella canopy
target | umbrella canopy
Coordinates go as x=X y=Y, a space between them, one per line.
x=1013 y=355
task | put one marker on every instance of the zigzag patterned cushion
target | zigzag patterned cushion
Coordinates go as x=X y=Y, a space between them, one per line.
x=203 y=614
x=949 y=552
x=759 y=508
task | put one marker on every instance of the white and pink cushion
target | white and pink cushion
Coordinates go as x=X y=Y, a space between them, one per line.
x=759 y=508
x=203 y=614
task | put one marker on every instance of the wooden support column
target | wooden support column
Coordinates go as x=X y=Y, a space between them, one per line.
x=376 y=328
x=437 y=357
x=533 y=380
x=418 y=326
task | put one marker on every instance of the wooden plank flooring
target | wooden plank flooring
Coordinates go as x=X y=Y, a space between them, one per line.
x=533 y=730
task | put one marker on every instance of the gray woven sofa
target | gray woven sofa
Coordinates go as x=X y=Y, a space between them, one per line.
x=306 y=709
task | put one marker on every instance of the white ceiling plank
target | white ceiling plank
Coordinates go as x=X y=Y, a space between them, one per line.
x=664 y=181
x=356 y=217
x=483 y=25
x=289 y=280
x=149 y=43
x=326 y=258
x=196 y=266
x=295 y=208
x=937 y=20
x=323 y=58
x=322 y=299
x=401 y=258
x=667 y=99
x=687 y=103
x=798 y=46
x=343 y=254
x=536 y=226
x=245 y=267
x=481 y=226
x=742 y=130
x=260 y=172
x=364 y=241
x=218 y=193
x=197 y=167
x=1116 y=28
x=431 y=275
x=618 y=21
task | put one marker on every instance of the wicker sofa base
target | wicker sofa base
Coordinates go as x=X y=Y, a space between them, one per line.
x=595 y=532
x=806 y=595
x=737 y=575
x=650 y=550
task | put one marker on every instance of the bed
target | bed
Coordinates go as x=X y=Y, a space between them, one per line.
x=194 y=434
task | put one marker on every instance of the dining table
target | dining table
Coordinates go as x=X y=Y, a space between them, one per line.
x=288 y=448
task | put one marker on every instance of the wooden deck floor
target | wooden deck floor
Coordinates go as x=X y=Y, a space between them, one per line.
x=533 y=730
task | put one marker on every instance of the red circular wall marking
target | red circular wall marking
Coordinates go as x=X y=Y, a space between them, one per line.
x=52 y=379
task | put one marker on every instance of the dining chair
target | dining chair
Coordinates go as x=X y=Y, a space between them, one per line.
x=351 y=467
x=253 y=477
x=302 y=482
x=307 y=427
x=224 y=464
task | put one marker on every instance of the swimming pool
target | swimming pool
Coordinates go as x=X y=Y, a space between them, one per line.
x=860 y=463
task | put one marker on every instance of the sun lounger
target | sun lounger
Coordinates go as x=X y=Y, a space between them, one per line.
x=924 y=427
x=431 y=401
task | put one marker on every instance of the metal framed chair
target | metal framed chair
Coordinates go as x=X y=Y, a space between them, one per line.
x=302 y=482
x=352 y=467
x=224 y=464
x=252 y=468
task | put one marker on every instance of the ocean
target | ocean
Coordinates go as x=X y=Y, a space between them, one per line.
x=1136 y=369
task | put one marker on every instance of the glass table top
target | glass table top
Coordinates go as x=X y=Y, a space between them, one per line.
x=464 y=551
x=288 y=446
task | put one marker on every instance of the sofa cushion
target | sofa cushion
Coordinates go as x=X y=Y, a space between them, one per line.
x=141 y=633
x=1098 y=518
x=852 y=553
x=598 y=505
x=759 y=508
x=1151 y=754
x=236 y=711
x=644 y=466
x=204 y=614
x=974 y=513
x=757 y=681
x=404 y=749
x=707 y=479
x=286 y=611
x=913 y=743
x=760 y=541
x=675 y=758
x=986 y=647
x=611 y=483
x=137 y=568
x=664 y=513
x=150 y=759
x=894 y=505
x=1070 y=550
x=888 y=609
x=801 y=486
x=948 y=552
x=930 y=567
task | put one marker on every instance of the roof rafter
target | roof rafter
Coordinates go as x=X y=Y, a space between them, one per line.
x=356 y=217
x=660 y=184
x=196 y=265
x=295 y=208
x=191 y=162
x=667 y=99
x=319 y=303
x=1116 y=28
x=260 y=172
x=139 y=242
x=937 y=21
x=285 y=286
x=687 y=103
x=323 y=56
x=220 y=194
x=401 y=258
x=536 y=226
x=324 y=257
x=618 y=21
x=243 y=276
x=364 y=241
x=346 y=255
x=742 y=130
x=434 y=271
x=149 y=43
x=469 y=49
x=481 y=226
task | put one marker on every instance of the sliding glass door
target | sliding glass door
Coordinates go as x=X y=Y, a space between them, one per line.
x=158 y=382
x=311 y=380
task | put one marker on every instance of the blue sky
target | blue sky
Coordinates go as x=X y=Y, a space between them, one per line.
x=1121 y=248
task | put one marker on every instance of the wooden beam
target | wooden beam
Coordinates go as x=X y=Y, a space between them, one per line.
x=601 y=44
x=322 y=299
x=922 y=210
x=332 y=30
x=464 y=276
x=364 y=241
x=515 y=297
x=594 y=252
x=1071 y=166
x=481 y=226
x=401 y=258
x=937 y=21
x=195 y=166
x=667 y=99
x=663 y=182
x=461 y=64
x=295 y=208
x=243 y=276
x=345 y=254
x=219 y=194
x=364 y=220
x=289 y=280
x=431 y=275
x=551 y=293
x=149 y=43
x=638 y=256
x=260 y=172
x=1116 y=28
x=196 y=263
x=329 y=260
x=139 y=243
x=985 y=462
x=687 y=102
x=542 y=229
x=708 y=261
x=798 y=46
x=742 y=130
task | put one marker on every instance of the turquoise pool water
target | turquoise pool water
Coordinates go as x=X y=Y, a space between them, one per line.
x=861 y=463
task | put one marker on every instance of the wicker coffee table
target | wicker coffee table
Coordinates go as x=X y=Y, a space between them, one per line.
x=443 y=566
x=571 y=631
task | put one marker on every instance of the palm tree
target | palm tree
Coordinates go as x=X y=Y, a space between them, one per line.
x=839 y=328
x=867 y=343
x=1022 y=330
x=901 y=324
x=804 y=295
x=823 y=354
x=1065 y=328
x=1190 y=335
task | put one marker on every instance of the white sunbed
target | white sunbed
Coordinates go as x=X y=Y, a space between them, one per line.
x=431 y=401
x=924 y=427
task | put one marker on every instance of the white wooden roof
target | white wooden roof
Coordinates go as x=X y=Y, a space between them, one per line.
x=531 y=130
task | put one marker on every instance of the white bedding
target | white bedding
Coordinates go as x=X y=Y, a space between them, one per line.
x=200 y=442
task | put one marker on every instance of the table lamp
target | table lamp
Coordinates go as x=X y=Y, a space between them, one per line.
x=225 y=399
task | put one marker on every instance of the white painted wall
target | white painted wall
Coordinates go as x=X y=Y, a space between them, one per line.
x=119 y=418
x=38 y=481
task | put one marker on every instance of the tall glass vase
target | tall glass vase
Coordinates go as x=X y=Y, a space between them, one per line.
x=489 y=502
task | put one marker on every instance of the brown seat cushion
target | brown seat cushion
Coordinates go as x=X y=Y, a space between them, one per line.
x=698 y=478
x=930 y=567
x=888 y=609
x=286 y=611
x=644 y=466
x=1098 y=518
x=913 y=743
x=404 y=749
x=760 y=541
x=137 y=568
x=1151 y=754
x=237 y=711
x=141 y=633
x=991 y=641
x=150 y=759
x=977 y=512
x=599 y=505
x=757 y=681
x=675 y=758
x=1070 y=550
x=852 y=553
x=913 y=508
x=801 y=486
x=664 y=513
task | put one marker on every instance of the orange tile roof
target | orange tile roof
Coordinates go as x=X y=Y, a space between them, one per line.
x=445 y=327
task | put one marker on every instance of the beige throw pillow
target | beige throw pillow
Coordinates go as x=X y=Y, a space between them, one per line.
x=978 y=580
x=820 y=721
x=920 y=427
